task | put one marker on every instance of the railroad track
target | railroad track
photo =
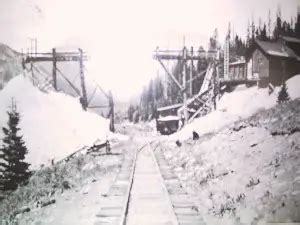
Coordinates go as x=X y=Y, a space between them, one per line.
x=146 y=191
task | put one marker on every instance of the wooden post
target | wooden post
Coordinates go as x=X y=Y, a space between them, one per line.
x=218 y=83
x=226 y=59
x=35 y=46
x=215 y=86
x=54 y=70
x=84 y=96
x=111 y=113
x=184 y=85
x=191 y=72
x=32 y=73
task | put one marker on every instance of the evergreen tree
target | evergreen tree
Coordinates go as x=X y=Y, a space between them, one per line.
x=263 y=33
x=213 y=41
x=283 y=95
x=269 y=25
x=151 y=101
x=130 y=113
x=14 y=171
x=252 y=32
x=278 y=27
x=248 y=38
x=297 y=26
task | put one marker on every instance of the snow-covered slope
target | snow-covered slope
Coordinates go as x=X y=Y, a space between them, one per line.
x=239 y=104
x=54 y=124
x=10 y=64
x=244 y=169
x=247 y=173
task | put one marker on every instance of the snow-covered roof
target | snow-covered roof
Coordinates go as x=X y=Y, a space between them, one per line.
x=276 y=49
x=237 y=62
x=169 y=107
x=168 y=118
x=283 y=54
x=291 y=39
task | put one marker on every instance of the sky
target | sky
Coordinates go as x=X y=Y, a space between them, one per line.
x=121 y=35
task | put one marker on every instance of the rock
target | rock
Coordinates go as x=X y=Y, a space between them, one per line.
x=195 y=136
x=178 y=143
x=46 y=203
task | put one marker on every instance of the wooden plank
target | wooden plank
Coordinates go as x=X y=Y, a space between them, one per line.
x=92 y=95
x=197 y=77
x=54 y=69
x=82 y=80
x=59 y=58
x=179 y=57
x=171 y=75
x=98 y=106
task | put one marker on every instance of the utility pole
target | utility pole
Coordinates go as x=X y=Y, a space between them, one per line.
x=54 y=69
x=191 y=71
x=184 y=54
x=83 y=98
x=111 y=112
x=226 y=59
x=35 y=46
x=32 y=73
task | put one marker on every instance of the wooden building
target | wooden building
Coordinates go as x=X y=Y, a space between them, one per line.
x=237 y=70
x=273 y=62
x=167 y=121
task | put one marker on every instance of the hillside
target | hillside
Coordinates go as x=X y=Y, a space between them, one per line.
x=10 y=64
x=244 y=169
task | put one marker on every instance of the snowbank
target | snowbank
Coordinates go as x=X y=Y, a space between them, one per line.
x=54 y=124
x=244 y=174
x=241 y=103
x=293 y=87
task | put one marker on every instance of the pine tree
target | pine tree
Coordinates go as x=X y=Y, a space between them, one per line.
x=263 y=33
x=297 y=26
x=130 y=113
x=248 y=38
x=269 y=25
x=283 y=95
x=278 y=27
x=14 y=171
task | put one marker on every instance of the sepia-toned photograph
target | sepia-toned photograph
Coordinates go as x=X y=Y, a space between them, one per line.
x=150 y=112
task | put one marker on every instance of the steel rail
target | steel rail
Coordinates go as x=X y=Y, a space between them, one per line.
x=123 y=220
x=128 y=193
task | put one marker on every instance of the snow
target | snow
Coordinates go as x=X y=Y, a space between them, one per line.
x=237 y=62
x=293 y=87
x=248 y=171
x=169 y=118
x=284 y=54
x=169 y=107
x=53 y=125
x=239 y=104
x=232 y=107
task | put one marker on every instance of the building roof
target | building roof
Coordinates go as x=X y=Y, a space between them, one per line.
x=291 y=39
x=168 y=118
x=277 y=48
x=239 y=62
x=169 y=107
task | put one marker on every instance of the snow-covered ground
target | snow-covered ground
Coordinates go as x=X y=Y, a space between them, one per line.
x=244 y=169
x=239 y=104
x=53 y=124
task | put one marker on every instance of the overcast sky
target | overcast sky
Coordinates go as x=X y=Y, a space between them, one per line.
x=121 y=35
